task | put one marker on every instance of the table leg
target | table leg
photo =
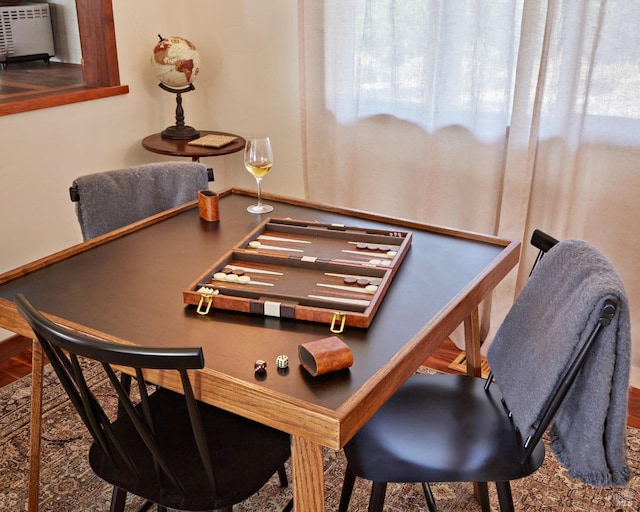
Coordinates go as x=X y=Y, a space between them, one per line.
x=474 y=368
x=308 y=475
x=37 y=365
x=472 y=343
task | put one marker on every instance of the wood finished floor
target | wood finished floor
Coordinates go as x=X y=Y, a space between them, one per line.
x=13 y=368
x=26 y=80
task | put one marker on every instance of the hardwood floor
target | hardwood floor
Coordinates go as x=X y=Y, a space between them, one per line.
x=30 y=79
x=13 y=368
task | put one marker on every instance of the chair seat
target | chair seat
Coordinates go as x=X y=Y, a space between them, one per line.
x=234 y=461
x=441 y=428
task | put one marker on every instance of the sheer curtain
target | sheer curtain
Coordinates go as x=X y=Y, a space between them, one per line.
x=491 y=116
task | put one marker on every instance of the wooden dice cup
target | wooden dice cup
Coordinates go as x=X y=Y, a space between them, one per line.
x=208 y=205
x=325 y=355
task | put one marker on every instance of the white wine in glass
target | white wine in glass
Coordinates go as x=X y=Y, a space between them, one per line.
x=258 y=159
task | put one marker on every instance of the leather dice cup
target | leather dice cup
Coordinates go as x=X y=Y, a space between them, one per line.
x=208 y=205
x=325 y=355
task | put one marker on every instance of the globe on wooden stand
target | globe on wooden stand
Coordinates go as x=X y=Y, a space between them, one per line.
x=176 y=63
x=179 y=131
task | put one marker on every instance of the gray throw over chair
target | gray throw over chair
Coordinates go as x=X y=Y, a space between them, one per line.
x=163 y=446
x=560 y=359
x=112 y=199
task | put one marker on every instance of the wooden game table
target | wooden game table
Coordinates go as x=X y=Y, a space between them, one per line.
x=127 y=286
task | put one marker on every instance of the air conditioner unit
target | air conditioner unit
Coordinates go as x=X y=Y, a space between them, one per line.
x=25 y=33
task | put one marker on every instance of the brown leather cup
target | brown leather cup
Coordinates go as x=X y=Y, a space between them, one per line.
x=208 y=205
x=325 y=355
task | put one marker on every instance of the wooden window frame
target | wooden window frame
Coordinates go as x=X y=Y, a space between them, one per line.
x=99 y=63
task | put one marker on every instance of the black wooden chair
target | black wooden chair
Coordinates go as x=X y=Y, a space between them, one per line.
x=166 y=447
x=457 y=428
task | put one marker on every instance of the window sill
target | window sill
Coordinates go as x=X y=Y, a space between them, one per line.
x=36 y=101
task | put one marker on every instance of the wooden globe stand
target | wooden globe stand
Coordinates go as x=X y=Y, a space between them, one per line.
x=179 y=131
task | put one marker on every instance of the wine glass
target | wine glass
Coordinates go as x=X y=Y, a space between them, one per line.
x=258 y=159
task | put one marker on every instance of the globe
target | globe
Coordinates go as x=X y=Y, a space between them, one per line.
x=176 y=62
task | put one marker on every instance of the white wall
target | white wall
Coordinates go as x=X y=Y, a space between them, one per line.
x=248 y=84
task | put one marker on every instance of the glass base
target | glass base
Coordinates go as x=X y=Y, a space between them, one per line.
x=260 y=208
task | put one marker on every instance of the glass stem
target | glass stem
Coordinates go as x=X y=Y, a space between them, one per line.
x=259 y=192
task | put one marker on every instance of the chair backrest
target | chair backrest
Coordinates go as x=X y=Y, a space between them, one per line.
x=112 y=199
x=568 y=377
x=543 y=242
x=551 y=331
x=67 y=350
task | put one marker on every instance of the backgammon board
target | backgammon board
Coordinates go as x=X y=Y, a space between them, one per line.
x=305 y=270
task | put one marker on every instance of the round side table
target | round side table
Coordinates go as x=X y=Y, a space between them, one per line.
x=156 y=144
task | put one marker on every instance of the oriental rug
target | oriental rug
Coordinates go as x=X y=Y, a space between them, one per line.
x=68 y=484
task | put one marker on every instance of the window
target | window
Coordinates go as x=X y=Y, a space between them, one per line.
x=441 y=64
x=100 y=62
x=431 y=63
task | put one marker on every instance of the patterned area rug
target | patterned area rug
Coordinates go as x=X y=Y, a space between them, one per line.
x=68 y=484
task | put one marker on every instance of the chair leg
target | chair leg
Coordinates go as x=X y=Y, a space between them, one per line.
x=289 y=506
x=147 y=506
x=118 y=499
x=125 y=380
x=378 y=491
x=284 y=481
x=504 y=496
x=431 y=502
x=347 y=489
x=483 y=496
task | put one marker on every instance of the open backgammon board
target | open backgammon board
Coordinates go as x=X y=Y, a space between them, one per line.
x=305 y=270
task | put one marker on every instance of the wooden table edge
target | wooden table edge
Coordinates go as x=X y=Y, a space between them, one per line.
x=336 y=430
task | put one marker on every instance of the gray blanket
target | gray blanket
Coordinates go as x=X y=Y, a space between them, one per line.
x=552 y=316
x=112 y=199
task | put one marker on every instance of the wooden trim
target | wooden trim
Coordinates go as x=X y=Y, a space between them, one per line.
x=98 y=41
x=400 y=221
x=37 y=101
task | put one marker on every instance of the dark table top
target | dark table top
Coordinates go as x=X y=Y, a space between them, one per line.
x=131 y=288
